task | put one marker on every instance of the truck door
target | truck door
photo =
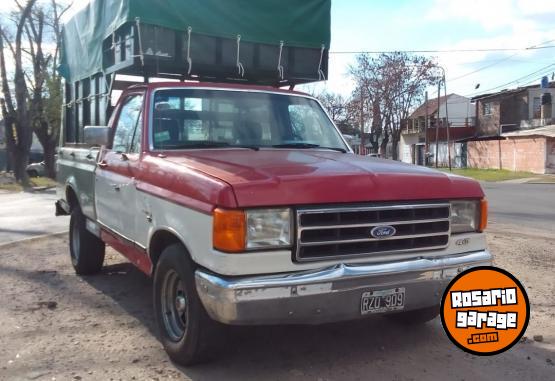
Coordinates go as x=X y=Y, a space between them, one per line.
x=115 y=188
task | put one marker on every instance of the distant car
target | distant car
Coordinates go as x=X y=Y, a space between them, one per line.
x=36 y=169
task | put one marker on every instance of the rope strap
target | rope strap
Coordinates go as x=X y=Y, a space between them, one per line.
x=189 y=60
x=321 y=75
x=240 y=67
x=279 y=66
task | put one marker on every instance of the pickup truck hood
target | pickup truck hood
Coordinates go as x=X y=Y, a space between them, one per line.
x=270 y=177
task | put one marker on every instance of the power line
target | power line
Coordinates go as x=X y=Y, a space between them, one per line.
x=501 y=60
x=526 y=77
x=483 y=67
x=444 y=50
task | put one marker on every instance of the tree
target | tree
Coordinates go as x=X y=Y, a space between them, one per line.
x=46 y=100
x=37 y=85
x=19 y=136
x=393 y=84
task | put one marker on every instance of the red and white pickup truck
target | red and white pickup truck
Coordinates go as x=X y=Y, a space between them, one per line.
x=246 y=206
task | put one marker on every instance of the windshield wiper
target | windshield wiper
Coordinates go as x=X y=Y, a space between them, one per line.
x=308 y=145
x=211 y=144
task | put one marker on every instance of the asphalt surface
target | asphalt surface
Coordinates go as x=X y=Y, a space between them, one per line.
x=26 y=215
x=527 y=205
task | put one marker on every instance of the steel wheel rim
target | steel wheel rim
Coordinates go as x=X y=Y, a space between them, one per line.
x=174 y=306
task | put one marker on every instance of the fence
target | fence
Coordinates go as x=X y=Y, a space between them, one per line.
x=458 y=155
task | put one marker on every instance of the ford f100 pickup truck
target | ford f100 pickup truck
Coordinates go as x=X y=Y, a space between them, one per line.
x=247 y=207
x=240 y=198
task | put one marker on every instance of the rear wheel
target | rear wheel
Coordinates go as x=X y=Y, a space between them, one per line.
x=415 y=317
x=86 y=250
x=186 y=331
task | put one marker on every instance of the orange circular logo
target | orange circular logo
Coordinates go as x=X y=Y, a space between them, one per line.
x=485 y=310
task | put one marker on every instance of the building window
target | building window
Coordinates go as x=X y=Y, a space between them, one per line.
x=486 y=108
x=537 y=108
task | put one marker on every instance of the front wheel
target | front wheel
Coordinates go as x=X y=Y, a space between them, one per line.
x=86 y=250
x=186 y=331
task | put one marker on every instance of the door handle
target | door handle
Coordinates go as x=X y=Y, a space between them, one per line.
x=72 y=154
x=124 y=157
x=102 y=164
x=116 y=187
x=89 y=156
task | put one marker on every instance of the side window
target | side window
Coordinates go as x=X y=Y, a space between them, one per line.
x=127 y=124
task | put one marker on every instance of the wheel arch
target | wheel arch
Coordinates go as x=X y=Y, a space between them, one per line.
x=162 y=238
x=71 y=197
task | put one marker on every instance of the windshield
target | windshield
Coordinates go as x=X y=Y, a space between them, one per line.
x=189 y=118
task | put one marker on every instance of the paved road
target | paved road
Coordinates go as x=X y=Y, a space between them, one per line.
x=25 y=215
x=528 y=205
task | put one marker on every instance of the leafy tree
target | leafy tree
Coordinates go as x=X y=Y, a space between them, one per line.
x=15 y=108
x=392 y=85
x=37 y=85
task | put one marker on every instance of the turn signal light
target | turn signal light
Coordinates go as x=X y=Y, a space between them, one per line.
x=229 y=230
x=483 y=215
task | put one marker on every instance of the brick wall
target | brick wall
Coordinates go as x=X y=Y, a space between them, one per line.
x=517 y=154
x=550 y=155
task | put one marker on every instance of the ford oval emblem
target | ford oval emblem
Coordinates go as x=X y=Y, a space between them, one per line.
x=383 y=231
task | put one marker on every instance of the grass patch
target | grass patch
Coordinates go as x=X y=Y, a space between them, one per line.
x=43 y=182
x=8 y=184
x=490 y=174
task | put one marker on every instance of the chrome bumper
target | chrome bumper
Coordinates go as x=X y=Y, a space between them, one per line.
x=329 y=294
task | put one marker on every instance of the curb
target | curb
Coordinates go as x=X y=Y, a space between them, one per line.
x=32 y=239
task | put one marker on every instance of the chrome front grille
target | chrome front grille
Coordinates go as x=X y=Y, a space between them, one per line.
x=346 y=231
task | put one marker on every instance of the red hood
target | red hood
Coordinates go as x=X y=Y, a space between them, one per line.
x=293 y=177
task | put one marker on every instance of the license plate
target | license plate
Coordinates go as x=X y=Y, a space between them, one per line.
x=382 y=301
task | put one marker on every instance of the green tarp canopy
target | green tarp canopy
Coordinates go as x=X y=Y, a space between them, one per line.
x=300 y=23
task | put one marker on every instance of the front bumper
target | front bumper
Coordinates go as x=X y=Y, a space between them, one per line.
x=330 y=294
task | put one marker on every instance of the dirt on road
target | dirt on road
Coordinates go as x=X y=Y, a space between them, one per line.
x=55 y=325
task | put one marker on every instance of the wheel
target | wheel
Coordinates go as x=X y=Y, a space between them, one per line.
x=188 y=334
x=86 y=250
x=415 y=317
x=32 y=173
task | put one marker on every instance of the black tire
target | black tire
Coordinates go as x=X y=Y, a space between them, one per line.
x=188 y=334
x=415 y=317
x=86 y=250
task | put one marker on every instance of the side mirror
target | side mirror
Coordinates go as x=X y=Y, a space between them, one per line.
x=97 y=135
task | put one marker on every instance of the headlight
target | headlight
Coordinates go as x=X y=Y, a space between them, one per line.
x=268 y=228
x=465 y=216
x=236 y=231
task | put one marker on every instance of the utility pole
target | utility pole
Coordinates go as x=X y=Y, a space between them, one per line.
x=362 y=145
x=426 y=133
x=437 y=119
x=447 y=118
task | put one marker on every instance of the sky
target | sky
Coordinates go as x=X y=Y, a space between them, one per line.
x=370 y=25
